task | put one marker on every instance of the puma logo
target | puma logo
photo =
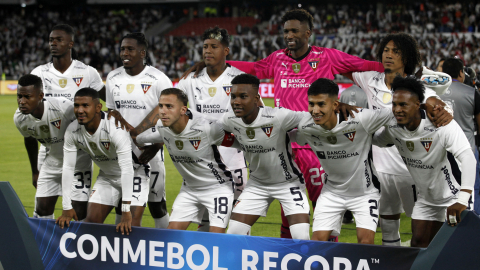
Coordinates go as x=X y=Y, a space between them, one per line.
x=223 y=219
x=136 y=197
x=300 y=205
x=85 y=193
x=155 y=193
x=285 y=65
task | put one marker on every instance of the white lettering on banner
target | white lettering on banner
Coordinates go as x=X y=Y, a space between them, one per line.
x=94 y=242
x=266 y=260
x=175 y=255
x=249 y=264
x=215 y=260
x=338 y=261
x=114 y=252
x=63 y=248
x=206 y=257
x=288 y=257
x=154 y=253
x=128 y=251
x=316 y=258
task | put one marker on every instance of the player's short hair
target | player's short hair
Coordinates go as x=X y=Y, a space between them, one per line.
x=300 y=15
x=246 y=79
x=139 y=37
x=411 y=85
x=217 y=33
x=177 y=92
x=452 y=66
x=88 y=92
x=65 y=28
x=408 y=47
x=323 y=86
x=30 y=79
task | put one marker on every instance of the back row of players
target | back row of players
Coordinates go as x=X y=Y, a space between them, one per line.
x=261 y=133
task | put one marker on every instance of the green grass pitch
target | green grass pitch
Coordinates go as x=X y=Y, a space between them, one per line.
x=15 y=169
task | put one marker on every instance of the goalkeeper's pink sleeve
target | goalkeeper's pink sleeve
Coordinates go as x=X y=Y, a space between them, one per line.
x=247 y=67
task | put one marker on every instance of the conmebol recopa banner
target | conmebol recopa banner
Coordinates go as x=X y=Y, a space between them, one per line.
x=92 y=246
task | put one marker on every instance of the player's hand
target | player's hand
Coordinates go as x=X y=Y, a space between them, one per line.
x=125 y=225
x=197 y=67
x=66 y=217
x=149 y=152
x=439 y=116
x=119 y=120
x=346 y=109
x=34 y=179
x=455 y=210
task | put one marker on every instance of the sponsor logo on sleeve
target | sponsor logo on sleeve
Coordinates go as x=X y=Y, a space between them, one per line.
x=146 y=86
x=78 y=79
x=268 y=130
x=195 y=142
x=57 y=123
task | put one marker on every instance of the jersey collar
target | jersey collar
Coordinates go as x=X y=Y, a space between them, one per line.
x=289 y=54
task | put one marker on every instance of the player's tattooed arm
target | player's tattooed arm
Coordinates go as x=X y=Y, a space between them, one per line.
x=119 y=120
x=438 y=112
x=149 y=121
x=31 y=145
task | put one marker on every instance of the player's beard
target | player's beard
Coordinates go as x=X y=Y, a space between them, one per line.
x=387 y=71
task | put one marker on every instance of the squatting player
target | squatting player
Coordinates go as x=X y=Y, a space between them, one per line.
x=63 y=77
x=45 y=120
x=192 y=142
x=110 y=148
x=293 y=70
x=423 y=148
x=262 y=135
x=132 y=92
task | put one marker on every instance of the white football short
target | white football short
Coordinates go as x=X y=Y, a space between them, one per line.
x=190 y=204
x=256 y=198
x=240 y=177
x=108 y=189
x=330 y=208
x=426 y=211
x=157 y=178
x=398 y=194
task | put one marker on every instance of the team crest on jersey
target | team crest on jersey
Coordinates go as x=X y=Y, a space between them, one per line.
x=250 y=133
x=427 y=145
x=44 y=129
x=386 y=97
x=410 y=145
x=93 y=146
x=268 y=130
x=227 y=89
x=146 y=86
x=179 y=145
x=78 y=80
x=212 y=91
x=195 y=142
x=332 y=139
x=57 y=123
x=130 y=88
x=296 y=67
x=106 y=145
x=313 y=64
x=350 y=135
x=62 y=82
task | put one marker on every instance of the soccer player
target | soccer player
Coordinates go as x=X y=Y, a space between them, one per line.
x=192 y=142
x=399 y=55
x=110 y=148
x=132 y=92
x=354 y=96
x=424 y=149
x=262 y=134
x=63 y=77
x=344 y=149
x=45 y=120
x=293 y=70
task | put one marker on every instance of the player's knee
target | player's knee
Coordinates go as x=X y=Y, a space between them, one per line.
x=300 y=231
x=158 y=209
x=236 y=227
x=418 y=241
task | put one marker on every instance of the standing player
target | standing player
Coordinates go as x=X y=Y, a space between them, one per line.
x=399 y=55
x=45 y=121
x=110 y=148
x=354 y=96
x=293 y=70
x=192 y=142
x=132 y=92
x=63 y=77
x=262 y=135
x=423 y=147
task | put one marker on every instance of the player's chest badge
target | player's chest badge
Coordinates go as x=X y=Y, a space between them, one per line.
x=93 y=146
x=427 y=145
x=313 y=64
x=130 y=88
x=179 y=145
x=62 y=82
x=410 y=145
x=296 y=67
x=78 y=80
x=106 y=144
x=387 y=97
x=57 y=123
x=332 y=139
x=212 y=91
x=250 y=133
x=146 y=86
x=268 y=130
x=195 y=142
x=227 y=89
x=350 y=135
x=44 y=129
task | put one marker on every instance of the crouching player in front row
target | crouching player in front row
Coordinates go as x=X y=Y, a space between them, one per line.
x=192 y=142
x=430 y=155
x=110 y=148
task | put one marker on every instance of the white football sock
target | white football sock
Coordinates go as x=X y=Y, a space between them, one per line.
x=390 y=233
x=300 y=231
x=162 y=223
x=236 y=227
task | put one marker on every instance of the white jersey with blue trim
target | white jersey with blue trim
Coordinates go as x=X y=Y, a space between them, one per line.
x=194 y=151
x=345 y=151
x=266 y=144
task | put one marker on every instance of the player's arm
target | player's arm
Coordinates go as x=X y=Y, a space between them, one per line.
x=149 y=121
x=119 y=120
x=372 y=120
x=97 y=83
x=438 y=112
x=344 y=63
x=382 y=138
x=435 y=80
x=290 y=119
x=31 y=145
x=476 y=109
x=103 y=93
x=124 y=149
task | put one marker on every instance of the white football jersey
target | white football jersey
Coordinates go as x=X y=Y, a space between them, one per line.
x=50 y=130
x=194 y=151
x=135 y=96
x=266 y=144
x=345 y=150
x=387 y=160
x=424 y=151
x=77 y=76
x=212 y=99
